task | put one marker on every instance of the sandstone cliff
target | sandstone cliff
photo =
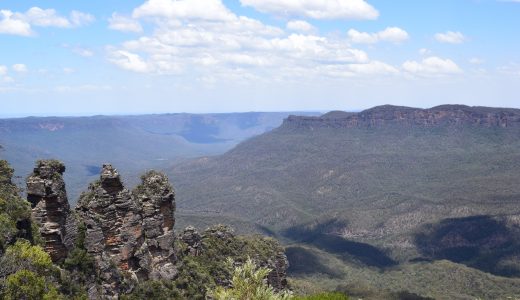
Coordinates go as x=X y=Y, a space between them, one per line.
x=50 y=207
x=444 y=115
x=133 y=231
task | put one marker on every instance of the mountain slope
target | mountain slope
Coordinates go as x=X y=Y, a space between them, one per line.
x=399 y=180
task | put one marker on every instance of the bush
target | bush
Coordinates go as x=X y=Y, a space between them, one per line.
x=249 y=283
x=27 y=285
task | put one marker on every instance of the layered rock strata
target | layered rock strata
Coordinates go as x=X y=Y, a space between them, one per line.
x=133 y=231
x=50 y=207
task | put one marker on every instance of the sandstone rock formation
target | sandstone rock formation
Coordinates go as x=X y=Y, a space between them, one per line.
x=156 y=199
x=133 y=231
x=50 y=207
x=444 y=115
x=191 y=237
x=129 y=234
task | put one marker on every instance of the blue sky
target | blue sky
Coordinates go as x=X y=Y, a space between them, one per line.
x=129 y=57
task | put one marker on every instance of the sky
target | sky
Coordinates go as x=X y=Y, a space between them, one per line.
x=130 y=57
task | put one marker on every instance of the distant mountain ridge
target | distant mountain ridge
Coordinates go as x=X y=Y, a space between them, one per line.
x=136 y=143
x=444 y=115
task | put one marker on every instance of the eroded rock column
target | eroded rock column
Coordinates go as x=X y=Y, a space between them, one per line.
x=114 y=229
x=50 y=207
x=156 y=197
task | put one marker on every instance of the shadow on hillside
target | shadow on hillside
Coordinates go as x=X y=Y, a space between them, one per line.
x=318 y=235
x=482 y=242
x=303 y=262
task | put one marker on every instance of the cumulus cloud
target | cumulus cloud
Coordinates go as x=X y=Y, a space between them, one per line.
x=17 y=23
x=317 y=9
x=128 y=61
x=432 y=66
x=390 y=34
x=301 y=26
x=450 y=37
x=11 y=24
x=20 y=68
x=210 y=44
x=3 y=70
x=124 y=24
x=213 y=10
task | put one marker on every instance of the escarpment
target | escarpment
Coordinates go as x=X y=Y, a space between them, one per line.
x=129 y=235
x=388 y=115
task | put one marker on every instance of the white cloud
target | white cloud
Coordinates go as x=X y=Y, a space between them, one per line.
x=124 y=24
x=83 y=52
x=20 y=68
x=476 y=60
x=17 y=23
x=432 y=66
x=9 y=24
x=450 y=37
x=390 y=34
x=3 y=70
x=213 y=10
x=44 y=18
x=129 y=61
x=219 y=45
x=301 y=26
x=78 y=19
x=317 y=9
x=424 y=51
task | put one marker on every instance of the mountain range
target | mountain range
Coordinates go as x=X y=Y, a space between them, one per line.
x=385 y=200
x=370 y=196
x=136 y=142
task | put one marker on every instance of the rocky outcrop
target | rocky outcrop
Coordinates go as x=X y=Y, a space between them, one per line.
x=266 y=252
x=50 y=207
x=278 y=265
x=132 y=231
x=445 y=115
x=193 y=240
x=128 y=236
x=156 y=199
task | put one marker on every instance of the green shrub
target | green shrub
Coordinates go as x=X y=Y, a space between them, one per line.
x=249 y=283
x=27 y=285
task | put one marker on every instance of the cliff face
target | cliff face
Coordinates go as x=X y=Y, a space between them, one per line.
x=445 y=115
x=50 y=207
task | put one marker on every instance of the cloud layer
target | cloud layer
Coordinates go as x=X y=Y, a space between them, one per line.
x=317 y=9
x=390 y=34
x=16 y=23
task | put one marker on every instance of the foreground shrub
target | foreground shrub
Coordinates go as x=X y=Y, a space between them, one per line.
x=248 y=283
